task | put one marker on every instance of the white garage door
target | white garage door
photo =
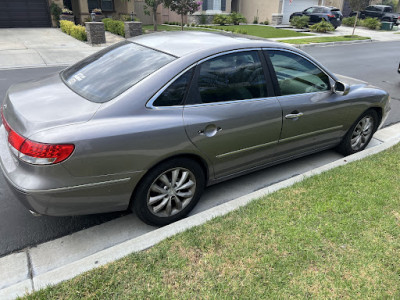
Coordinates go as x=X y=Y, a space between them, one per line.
x=295 y=6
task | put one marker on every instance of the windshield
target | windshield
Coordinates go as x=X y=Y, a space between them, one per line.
x=109 y=72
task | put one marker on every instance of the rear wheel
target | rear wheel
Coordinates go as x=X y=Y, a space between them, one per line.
x=169 y=191
x=360 y=134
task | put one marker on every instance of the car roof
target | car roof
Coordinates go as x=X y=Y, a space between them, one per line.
x=181 y=43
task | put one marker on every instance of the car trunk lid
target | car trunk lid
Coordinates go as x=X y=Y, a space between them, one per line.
x=45 y=103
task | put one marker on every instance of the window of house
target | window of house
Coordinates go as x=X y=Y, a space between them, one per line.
x=175 y=93
x=104 y=5
x=297 y=75
x=236 y=76
x=214 y=5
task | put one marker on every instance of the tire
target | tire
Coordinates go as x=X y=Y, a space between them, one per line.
x=156 y=203
x=360 y=133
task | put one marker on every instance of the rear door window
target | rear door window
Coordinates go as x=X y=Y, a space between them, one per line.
x=109 y=72
x=230 y=77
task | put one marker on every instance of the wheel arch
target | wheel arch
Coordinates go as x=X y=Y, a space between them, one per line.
x=379 y=112
x=202 y=163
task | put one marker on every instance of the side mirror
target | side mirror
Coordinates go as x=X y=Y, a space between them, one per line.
x=341 y=88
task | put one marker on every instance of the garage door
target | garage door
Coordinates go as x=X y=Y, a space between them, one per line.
x=24 y=13
x=295 y=6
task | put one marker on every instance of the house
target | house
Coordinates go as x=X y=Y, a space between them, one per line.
x=36 y=13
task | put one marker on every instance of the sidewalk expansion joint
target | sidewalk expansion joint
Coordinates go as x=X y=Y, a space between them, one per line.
x=30 y=268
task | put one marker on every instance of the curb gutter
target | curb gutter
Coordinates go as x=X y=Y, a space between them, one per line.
x=17 y=277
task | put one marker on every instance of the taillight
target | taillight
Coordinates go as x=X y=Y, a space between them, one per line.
x=331 y=16
x=34 y=152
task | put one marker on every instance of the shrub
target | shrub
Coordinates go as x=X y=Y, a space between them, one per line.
x=114 y=26
x=76 y=31
x=220 y=19
x=236 y=18
x=56 y=11
x=203 y=19
x=322 y=26
x=126 y=18
x=266 y=22
x=300 y=22
x=371 y=23
x=79 y=32
x=350 y=21
x=255 y=20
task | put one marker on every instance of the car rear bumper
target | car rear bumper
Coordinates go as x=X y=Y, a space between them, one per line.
x=36 y=188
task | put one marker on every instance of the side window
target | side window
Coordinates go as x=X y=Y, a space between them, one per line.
x=175 y=93
x=296 y=75
x=370 y=8
x=236 y=76
x=309 y=10
x=387 y=9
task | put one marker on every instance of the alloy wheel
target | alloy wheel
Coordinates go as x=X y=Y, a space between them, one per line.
x=171 y=192
x=362 y=133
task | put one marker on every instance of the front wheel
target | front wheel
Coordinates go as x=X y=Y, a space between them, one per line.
x=169 y=191
x=360 y=134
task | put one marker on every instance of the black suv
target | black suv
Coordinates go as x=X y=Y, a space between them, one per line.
x=382 y=12
x=317 y=13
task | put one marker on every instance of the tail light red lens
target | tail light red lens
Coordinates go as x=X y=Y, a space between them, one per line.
x=34 y=152
x=331 y=16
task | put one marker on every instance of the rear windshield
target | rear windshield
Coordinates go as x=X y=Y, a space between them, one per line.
x=109 y=72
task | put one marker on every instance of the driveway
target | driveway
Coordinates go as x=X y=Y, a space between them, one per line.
x=40 y=47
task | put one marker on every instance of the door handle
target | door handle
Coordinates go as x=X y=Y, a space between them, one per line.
x=294 y=116
x=209 y=130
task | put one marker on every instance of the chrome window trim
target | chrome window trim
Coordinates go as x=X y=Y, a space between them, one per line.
x=331 y=79
x=150 y=103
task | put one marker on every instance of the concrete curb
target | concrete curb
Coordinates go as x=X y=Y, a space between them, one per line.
x=333 y=43
x=17 y=276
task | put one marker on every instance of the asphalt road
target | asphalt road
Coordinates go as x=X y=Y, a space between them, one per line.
x=375 y=62
x=372 y=62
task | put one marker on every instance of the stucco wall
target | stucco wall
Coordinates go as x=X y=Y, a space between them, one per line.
x=261 y=8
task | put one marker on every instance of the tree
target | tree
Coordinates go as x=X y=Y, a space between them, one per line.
x=153 y=5
x=357 y=6
x=183 y=7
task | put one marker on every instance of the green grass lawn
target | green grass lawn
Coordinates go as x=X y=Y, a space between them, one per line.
x=326 y=39
x=259 y=31
x=335 y=235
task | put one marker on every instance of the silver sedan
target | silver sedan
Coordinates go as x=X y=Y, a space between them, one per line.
x=147 y=123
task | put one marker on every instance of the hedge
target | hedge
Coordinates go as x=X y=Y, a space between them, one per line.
x=76 y=31
x=114 y=26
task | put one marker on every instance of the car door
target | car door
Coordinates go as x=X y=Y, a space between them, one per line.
x=230 y=114
x=316 y=15
x=313 y=116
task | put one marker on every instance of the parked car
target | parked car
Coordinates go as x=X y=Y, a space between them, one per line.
x=319 y=13
x=382 y=12
x=147 y=123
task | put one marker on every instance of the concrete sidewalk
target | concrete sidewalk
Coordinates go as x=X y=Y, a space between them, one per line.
x=42 y=47
x=380 y=36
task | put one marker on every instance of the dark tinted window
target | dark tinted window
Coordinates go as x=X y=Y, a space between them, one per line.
x=108 y=73
x=175 y=93
x=296 y=75
x=387 y=9
x=235 y=76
